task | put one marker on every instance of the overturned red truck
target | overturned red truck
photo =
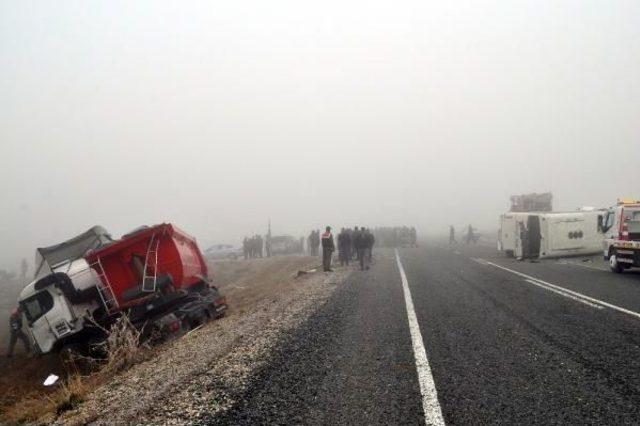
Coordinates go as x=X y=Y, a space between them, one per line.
x=156 y=275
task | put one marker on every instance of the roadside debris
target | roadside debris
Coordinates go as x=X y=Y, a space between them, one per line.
x=51 y=380
x=301 y=272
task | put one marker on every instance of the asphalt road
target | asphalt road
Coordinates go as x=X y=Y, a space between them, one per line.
x=507 y=342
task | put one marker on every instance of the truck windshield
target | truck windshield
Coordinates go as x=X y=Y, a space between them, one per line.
x=633 y=223
x=37 y=305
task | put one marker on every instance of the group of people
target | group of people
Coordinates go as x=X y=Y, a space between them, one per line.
x=396 y=236
x=253 y=247
x=470 y=235
x=357 y=242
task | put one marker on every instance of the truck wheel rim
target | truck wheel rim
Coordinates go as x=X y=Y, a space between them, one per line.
x=613 y=261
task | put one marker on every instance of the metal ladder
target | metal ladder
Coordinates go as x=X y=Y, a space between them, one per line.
x=150 y=273
x=104 y=288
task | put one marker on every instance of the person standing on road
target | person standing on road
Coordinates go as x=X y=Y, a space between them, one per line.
x=452 y=234
x=317 y=241
x=414 y=237
x=267 y=244
x=355 y=241
x=245 y=248
x=260 y=244
x=344 y=247
x=524 y=240
x=370 y=241
x=328 y=247
x=471 y=236
x=360 y=242
x=15 y=326
x=350 y=249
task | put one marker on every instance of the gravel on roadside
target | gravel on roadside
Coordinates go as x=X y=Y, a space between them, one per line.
x=207 y=370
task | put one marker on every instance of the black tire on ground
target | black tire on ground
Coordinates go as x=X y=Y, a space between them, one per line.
x=614 y=265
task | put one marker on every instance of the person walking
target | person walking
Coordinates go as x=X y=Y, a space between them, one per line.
x=328 y=247
x=452 y=234
x=15 y=327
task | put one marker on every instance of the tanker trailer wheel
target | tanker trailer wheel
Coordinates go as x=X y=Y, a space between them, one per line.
x=614 y=264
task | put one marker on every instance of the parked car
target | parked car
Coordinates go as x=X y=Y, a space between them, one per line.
x=223 y=251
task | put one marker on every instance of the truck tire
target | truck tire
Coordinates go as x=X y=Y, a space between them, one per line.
x=615 y=266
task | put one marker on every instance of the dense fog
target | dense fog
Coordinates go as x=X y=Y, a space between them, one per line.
x=218 y=116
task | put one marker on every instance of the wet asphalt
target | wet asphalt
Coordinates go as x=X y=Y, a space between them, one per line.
x=501 y=350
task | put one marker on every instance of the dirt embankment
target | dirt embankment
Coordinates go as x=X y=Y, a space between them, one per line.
x=206 y=370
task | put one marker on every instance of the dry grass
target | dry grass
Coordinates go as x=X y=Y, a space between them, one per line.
x=23 y=399
x=122 y=348
x=44 y=408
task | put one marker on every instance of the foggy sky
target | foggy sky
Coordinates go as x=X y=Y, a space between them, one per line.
x=219 y=115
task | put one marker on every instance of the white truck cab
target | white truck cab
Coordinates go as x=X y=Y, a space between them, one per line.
x=58 y=305
x=62 y=296
x=621 y=228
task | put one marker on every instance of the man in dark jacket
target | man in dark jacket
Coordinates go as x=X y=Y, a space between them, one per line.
x=344 y=247
x=328 y=247
x=15 y=326
x=356 y=241
x=360 y=243
x=369 y=242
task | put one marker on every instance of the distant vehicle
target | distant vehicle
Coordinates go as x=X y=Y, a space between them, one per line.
x=532 y=203
x=223 y=251
x=621 y=227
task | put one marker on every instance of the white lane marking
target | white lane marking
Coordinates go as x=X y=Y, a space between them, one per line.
x=566 y=290
x=562 y=293
x=544 y=285
x=430 y=404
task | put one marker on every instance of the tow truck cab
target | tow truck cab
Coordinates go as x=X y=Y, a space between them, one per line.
x=621 y=228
